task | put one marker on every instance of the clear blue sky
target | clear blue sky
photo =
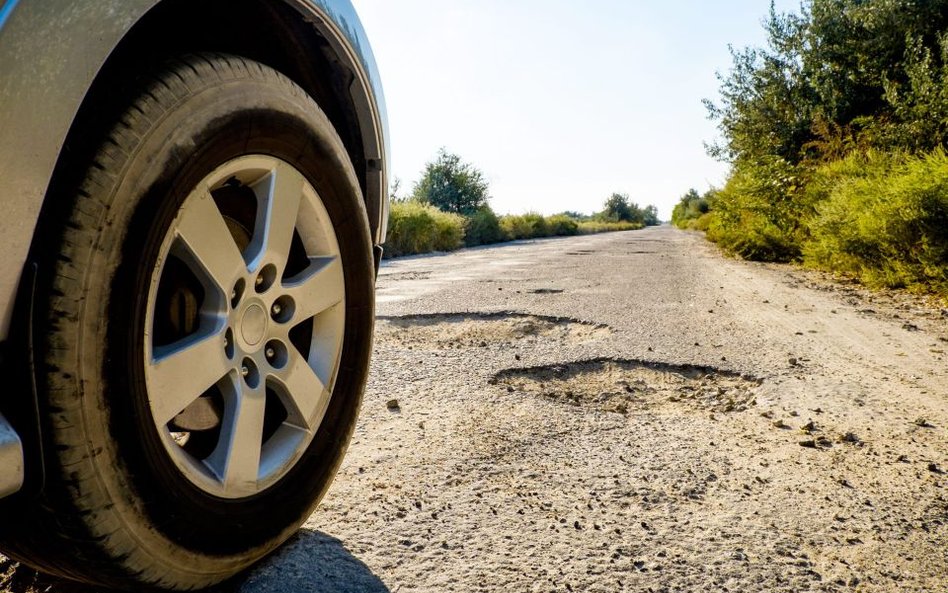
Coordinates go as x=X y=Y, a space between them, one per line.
x=560 y=103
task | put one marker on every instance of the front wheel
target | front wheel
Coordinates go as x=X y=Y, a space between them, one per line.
x=207 y=314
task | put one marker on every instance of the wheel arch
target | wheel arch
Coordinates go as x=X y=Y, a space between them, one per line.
x=319 y=44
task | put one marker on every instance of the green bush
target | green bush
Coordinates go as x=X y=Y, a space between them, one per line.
x=538 y=224
x=560 y=225
x=516 y=226
x=414 y=227
x=691 y=207
x=761 y=212
x=483 y=228
x=420 y=228
x=884 y=219
x=589 y=227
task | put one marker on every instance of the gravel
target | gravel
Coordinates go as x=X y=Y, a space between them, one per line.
x=632 y=412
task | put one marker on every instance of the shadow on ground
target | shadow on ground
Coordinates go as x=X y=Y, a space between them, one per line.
x=311 y=562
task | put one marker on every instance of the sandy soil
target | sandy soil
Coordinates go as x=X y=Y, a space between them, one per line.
x=633 y=412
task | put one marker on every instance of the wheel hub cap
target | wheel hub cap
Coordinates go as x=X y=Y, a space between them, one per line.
x=253 y=325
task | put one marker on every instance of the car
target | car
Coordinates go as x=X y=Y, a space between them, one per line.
x=193 y=206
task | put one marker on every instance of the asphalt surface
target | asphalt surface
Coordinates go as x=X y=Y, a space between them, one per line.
x=634 y=412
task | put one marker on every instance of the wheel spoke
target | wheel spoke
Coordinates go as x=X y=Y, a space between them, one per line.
x=236 y=460
x=304 y=391
x=179 y=373
x=208 y=242
x=319 y=287
x=280 y=195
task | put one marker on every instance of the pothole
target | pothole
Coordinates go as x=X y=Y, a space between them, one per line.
x=472 y=330
x=546 y=291
x=624 y=386
x=410 y=275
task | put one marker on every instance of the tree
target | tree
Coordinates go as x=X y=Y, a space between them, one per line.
x=766 y=103
x=617 y=208
x=691 y=206
x=651 y=216
x=843 y=73
x=452 y=185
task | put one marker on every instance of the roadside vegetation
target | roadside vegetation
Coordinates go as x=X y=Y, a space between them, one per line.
x=836 y=132
x=449 y=209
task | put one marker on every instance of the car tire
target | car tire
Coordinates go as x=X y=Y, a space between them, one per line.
x=196 y=396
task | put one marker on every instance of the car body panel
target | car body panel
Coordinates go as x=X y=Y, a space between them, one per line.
x=50 y=54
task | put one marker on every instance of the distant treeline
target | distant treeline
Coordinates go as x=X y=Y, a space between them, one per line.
x=836 y=132
x=448 y=209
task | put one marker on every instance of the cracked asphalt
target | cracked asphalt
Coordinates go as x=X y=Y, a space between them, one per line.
x=633 y=412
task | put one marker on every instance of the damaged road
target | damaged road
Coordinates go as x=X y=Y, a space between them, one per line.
x=633 y=412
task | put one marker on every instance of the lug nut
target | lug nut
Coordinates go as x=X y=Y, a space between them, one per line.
x=277 y=309
x=258 y=281
x=270 y=353
x=244 y=371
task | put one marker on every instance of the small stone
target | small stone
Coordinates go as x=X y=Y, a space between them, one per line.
x=780 y=424
x=923 y=422
x=810 y=444
x=393 y=405
x=809 y=427
x=794 y=362
x=933 y=467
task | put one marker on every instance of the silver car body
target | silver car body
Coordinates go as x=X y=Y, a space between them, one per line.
x=51 y=52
